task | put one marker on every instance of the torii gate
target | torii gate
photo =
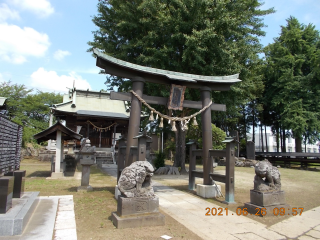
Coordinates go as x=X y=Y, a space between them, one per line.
x=139 y=74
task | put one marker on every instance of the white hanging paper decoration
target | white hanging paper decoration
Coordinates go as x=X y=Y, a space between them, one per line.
x=161 y=123
x=174 y=129
x=151 y=116
x=195 y=121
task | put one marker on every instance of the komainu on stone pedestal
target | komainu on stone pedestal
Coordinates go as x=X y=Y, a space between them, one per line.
x=138 y=206
x=267 y=177
x=266 y=194
x=135 y=180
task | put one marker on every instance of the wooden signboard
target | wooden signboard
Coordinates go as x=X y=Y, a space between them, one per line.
x=176 y=97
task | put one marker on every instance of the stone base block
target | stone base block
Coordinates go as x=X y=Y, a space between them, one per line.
x=265 y=199
x=136 y=206
x=208 y=191
x=84 y=189
x=270 y=211
x=18 y=186
x=56 y=175
x=16 y=219
x=132 y=221
x=6 y=193
x=117 y=192
x=87 y=161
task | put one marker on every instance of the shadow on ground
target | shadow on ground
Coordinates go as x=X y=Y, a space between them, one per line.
x=95 y=189
x=40 y=174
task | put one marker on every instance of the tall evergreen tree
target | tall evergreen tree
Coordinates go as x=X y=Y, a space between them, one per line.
x=292 y=81
x=205 y=37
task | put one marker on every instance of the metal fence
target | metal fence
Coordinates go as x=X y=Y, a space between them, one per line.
x=10 y=145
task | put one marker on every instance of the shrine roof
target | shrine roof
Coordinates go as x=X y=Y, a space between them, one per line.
x=2 y=101
x=125 y=69
x=51 y=133
x=91 y=103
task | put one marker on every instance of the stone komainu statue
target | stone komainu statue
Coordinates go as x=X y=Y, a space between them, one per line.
x=267 y=177
x=135 y=180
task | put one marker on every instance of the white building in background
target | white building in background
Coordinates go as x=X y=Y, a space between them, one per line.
x=272 y=144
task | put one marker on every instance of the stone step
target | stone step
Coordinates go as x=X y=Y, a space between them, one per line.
x=15 y=220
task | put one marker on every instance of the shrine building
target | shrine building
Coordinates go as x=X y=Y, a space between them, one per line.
x=93 y=115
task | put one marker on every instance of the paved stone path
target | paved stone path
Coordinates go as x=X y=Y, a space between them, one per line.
x=53 y=218
x=65 y=224
x=190 y=211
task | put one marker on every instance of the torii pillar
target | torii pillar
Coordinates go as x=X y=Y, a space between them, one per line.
x=134 y=120
x=206 y=136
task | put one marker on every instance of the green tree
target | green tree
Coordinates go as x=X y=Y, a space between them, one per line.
x=205 y=37
x=292 y=81
x=31 y=110
x=14 y=94
x=218 y=135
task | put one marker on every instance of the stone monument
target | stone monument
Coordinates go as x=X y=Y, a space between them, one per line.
x=87 y=158
x=266 y=194
x=251 y=152
x=138 y=206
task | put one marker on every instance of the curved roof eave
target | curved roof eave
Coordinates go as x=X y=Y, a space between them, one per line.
x=177 y=76
x=50 y=133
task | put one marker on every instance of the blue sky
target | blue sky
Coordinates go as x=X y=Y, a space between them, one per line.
x=43 y=43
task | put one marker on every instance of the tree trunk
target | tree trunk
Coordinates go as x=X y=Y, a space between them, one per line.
x=298 y=142
x=245 y=125
x=281 y=140
x=277 y=136
x=265 y=133
x=262 y=145
x=284 y=148
x=253 y=130
x=180 y=156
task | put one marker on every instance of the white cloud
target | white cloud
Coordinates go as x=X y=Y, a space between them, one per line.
x=42 y=8
x=7 y=13
x=51 y=81
x=59 y=55
x=18 y=43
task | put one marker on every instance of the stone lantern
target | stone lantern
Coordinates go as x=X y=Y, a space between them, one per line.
x=87 y=158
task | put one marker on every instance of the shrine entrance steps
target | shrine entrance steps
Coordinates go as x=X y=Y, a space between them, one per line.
x=104 y=156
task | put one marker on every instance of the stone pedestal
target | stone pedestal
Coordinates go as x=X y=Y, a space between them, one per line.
x=56 y=175
x=266 y=201
x=267 y=198
x=137 y=212
x=85 y=178
x=6 y=193
x=18 y=186
x=85 y=189
x=117 y=192
x=208 y=191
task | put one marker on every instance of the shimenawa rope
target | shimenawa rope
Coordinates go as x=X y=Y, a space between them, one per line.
x=171 y=119
x=101 y=129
